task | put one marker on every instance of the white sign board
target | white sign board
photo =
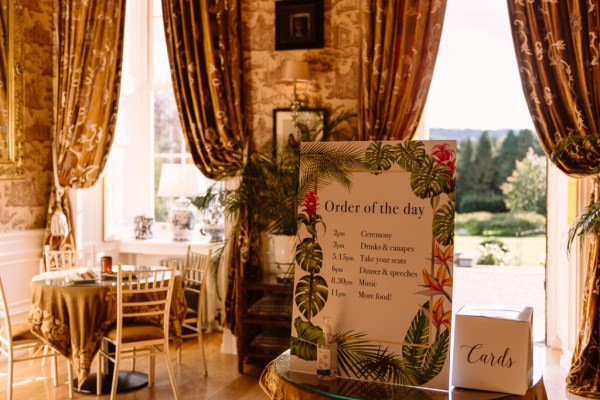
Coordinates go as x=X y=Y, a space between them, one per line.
x=375 y=253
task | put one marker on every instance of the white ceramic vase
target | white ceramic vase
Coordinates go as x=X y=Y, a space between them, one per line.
x=284 y=249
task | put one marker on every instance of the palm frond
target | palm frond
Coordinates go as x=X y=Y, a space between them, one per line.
x=579 y=145
x=588 y=222
x=361 y=358
x=323 y=165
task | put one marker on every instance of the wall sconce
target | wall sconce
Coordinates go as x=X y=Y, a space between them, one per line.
x=295 y=71
x=181 y=181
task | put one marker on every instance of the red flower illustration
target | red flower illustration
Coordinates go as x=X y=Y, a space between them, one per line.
x=310 y=204
x=444 y=154
x=444 y=257
x=435 y=284
x=438 y=316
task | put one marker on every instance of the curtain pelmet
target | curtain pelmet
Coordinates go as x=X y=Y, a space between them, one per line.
x=204 y=46
x=398 y=48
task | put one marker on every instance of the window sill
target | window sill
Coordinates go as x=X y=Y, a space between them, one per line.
x=163 y=246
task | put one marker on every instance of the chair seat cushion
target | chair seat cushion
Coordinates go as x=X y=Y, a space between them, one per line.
x=21 y=332
x=136 y=333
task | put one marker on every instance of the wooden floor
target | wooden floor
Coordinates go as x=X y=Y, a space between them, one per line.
x=32 y=382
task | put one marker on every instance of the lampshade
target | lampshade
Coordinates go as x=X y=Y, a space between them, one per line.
x=294 y=71
x=180 y=180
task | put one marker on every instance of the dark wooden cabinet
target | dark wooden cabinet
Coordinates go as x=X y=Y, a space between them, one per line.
x=263 y=318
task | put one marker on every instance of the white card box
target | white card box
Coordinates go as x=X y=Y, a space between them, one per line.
x=493 y=348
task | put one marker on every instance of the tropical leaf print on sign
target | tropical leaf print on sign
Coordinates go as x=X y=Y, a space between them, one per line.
x=309 y=255
x=410 y=155
x=430 y=180
x=305 y=345
x=443 y=224
x=311 y=295
x=379 y=157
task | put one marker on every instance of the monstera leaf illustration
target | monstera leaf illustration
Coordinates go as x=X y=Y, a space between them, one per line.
x=431 y=179
x=379 y=157
x=410 y=155
x=309 y=255
x=435 y=357
x=311 y=295
x=305 y=345
x=443 y=224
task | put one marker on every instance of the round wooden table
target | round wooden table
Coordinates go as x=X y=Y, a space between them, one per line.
x=72 y=317
x=278 y=382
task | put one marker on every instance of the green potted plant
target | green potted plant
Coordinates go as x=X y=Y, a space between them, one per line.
x=268 y=192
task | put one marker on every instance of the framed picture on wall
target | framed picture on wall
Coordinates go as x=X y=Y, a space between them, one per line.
x=311 y=121
x=298 y=24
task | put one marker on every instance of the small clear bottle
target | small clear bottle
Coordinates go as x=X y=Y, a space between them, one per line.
x=327 y=353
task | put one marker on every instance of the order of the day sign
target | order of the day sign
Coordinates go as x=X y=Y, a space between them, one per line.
x=375 y=254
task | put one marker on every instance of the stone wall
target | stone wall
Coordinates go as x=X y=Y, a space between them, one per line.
x=24 y=202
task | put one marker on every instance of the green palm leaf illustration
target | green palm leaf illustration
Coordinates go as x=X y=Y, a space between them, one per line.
x=379 y=157
x=353 y=349
x=322 y=165
x=410 y=155
x=430 y=179
x=309 y=255
x=417 y=338
x=385 y=367
x=443 y=224
x=305 y=345
x=311 y=295
x=435 y=358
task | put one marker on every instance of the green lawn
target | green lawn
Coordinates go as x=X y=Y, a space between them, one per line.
x=527 y=251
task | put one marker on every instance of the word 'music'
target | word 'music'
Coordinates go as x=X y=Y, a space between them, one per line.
x=477 y=355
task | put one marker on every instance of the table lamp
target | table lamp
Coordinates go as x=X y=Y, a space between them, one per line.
x=181 y=181
x=295 y=71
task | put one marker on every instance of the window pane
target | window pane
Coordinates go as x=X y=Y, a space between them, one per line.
x=162 y=205
x=168 y=137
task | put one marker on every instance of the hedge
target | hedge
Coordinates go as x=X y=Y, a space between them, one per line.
x=501 y=224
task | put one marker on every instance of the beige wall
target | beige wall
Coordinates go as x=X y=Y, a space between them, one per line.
x=334 y=69
x=24 y=203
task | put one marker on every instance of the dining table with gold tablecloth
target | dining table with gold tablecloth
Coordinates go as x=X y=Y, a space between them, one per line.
x=71 y=313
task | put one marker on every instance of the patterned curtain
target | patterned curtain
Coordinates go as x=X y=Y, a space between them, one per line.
x=88 y=56
x=399 y=46
x=204 y=45
x=557 y=44
x=205 y=53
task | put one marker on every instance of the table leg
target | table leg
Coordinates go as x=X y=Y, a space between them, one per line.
x=128 y=380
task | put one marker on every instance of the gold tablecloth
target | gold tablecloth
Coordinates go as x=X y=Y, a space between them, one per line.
x=279 y=383
x=73 y=318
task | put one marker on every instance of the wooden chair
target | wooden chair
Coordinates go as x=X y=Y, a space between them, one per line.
x=195 y=274
x=63 y=259
x=142 y=295
x=18 y=344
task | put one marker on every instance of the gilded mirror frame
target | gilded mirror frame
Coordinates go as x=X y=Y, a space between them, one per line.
x=12 y=166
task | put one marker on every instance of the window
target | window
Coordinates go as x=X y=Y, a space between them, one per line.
x=148 y=132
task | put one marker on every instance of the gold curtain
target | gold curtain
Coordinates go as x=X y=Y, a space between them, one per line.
x=558 y=55
x=399 y=46
x=204 y=46
x=88 y=57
